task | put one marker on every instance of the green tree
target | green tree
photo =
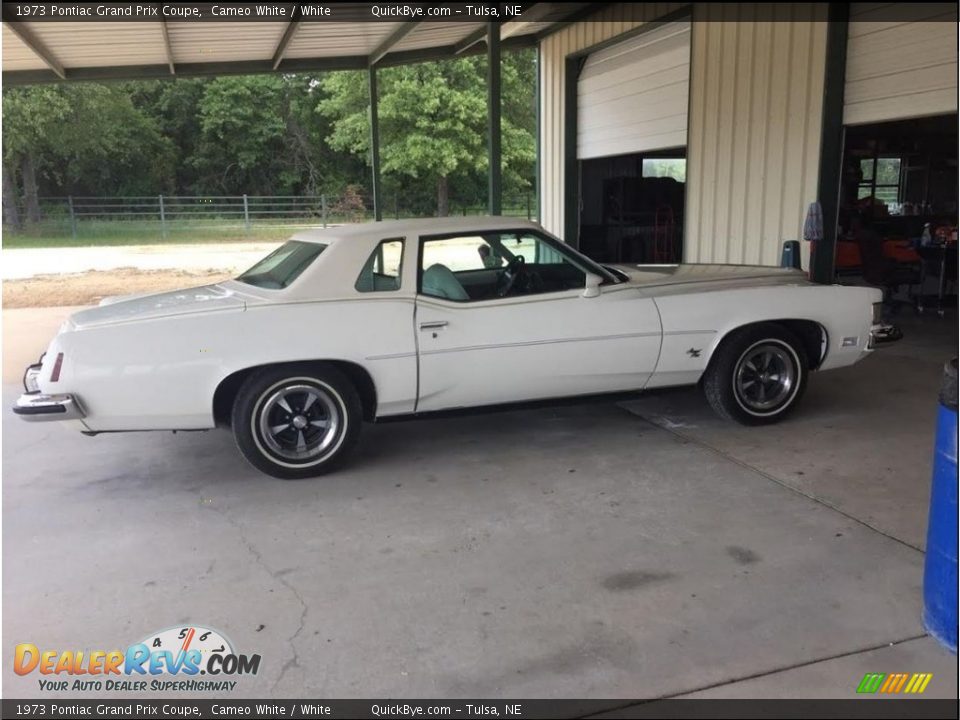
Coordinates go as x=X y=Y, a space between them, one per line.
x=433 y=121
x=81 y=138
x=259 y=134
x=175 y=106
x=242 y=128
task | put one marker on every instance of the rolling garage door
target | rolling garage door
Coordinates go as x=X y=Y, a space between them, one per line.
x=632 y=96
x=898 y=69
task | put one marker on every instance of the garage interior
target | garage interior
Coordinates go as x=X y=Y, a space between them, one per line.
x=900 y=179
x=640 y=549
x=631 y=207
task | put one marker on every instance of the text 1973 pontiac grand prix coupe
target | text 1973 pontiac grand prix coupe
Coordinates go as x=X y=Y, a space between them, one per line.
x=400 y=318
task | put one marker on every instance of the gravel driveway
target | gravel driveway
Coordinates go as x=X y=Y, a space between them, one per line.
x=22 y=263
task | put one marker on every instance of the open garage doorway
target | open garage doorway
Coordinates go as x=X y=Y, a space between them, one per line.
x=632 y=100
x=897 y=203
x=631 y=207
x=898 y=217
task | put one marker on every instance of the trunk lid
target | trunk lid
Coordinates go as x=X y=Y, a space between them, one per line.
x=134 y=308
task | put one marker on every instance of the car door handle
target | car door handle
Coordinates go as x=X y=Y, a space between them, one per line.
x=433 y=324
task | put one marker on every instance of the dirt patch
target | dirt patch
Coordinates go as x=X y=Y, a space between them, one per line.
x=90 y=287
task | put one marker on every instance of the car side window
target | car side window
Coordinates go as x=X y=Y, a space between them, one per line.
x=495 y=265
x=459 y=254
x=381 y=272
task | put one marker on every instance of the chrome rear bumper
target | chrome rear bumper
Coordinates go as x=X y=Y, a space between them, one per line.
x=38 y=407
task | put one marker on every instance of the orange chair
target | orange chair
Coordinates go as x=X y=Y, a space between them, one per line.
x=900 y=251
x=848 y=255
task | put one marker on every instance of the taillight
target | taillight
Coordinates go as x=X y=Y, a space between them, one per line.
x=55 y=373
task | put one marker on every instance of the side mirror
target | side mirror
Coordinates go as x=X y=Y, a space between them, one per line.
x=592 y=286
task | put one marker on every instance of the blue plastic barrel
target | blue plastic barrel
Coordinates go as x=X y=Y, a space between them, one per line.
x=940 y=569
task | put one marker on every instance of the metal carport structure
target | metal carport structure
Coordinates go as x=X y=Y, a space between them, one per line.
x=350 y=37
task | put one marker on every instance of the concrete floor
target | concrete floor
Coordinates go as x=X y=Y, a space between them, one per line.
x=607 y=550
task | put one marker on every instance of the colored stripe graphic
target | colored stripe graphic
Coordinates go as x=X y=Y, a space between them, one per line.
x=870 y=683
x=894 y=683
x=918 y=683
x=903 y=679
x=890 y=683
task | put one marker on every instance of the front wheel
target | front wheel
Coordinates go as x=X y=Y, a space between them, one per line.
x=757 y=375
x=296 y=421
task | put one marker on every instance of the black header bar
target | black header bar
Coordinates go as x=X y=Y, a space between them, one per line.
x=393 y=12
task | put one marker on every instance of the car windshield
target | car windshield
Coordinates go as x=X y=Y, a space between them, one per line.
x=534 y=249
x=284 y=265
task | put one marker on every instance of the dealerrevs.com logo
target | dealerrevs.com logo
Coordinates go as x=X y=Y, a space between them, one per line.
x=170 y=660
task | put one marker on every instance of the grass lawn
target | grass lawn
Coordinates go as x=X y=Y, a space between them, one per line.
x=56 y=232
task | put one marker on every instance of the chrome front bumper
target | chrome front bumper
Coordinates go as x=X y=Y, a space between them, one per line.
x=38 y=407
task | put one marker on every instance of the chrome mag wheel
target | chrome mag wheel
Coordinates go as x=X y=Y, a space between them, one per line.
x=766 y=377
x=298 y=421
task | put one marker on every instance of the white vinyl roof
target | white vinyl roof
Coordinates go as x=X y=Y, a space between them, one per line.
x=416 y=227
x=92 y=49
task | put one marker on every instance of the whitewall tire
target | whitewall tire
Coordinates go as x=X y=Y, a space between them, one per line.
x=757 y=375
x=297 y=420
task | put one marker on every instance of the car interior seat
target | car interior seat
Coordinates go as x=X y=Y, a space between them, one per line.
x=439 y=281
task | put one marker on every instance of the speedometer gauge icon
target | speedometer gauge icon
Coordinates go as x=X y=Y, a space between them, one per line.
x=183 y=638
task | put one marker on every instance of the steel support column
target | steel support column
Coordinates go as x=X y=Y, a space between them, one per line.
x=823 y=259
x=375 y=144
x=571 y=166
x=493 y=118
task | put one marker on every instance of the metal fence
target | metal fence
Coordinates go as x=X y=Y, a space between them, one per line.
x=166 y=214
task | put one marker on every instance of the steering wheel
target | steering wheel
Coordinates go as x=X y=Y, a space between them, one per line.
x=508 y=278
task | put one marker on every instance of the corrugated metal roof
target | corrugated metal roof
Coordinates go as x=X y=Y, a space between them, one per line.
x=221 y=41
x=16 y=55
x=128 y=42
x=437 y=34
x=329 y=40
x=41 y=51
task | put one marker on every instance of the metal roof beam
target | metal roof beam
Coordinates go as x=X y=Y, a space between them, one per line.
x=470 y=40
x=288 y=34
x=574 y=16
x=448 y=52
x=395 y=37
x=39 y=49
x=534 y=13
x=165 y=31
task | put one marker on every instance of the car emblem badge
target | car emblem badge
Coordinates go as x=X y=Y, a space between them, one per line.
x=694 y=352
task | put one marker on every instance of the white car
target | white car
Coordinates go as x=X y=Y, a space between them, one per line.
x=388 y=319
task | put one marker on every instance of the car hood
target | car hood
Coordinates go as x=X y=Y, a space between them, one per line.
x=133 y=308
x=700 y=278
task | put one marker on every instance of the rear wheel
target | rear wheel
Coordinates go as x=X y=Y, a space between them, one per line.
x=296 y=421
x=757 y=375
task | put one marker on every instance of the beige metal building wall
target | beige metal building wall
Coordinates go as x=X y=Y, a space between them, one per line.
x=754 y=129
x=755 y=124
x=900 y=70
x=613 y=21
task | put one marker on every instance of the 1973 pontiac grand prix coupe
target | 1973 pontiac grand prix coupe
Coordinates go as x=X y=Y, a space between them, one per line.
x=387 y=319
